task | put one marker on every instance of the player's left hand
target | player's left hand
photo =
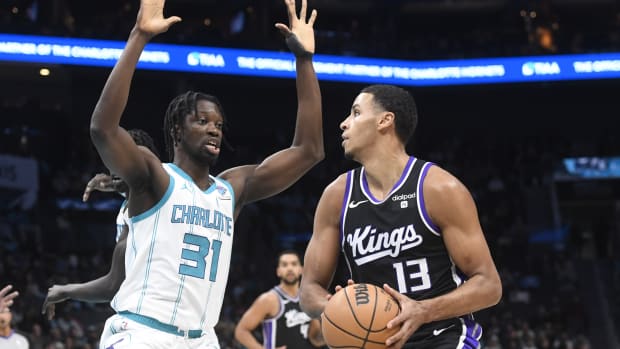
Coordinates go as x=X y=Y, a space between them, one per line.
x=338 y=288
x=299 y=34
x=55 y=294
x=412 y=315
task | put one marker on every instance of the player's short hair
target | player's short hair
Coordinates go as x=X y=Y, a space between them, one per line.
x=400 y=102
x=293 y=252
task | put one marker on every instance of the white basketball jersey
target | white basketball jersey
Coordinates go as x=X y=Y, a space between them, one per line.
x=122 y=219
x=182 y=250
x=14 y=341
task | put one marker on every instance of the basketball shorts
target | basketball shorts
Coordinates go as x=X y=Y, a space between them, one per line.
x=122 y=331
x=460 y=333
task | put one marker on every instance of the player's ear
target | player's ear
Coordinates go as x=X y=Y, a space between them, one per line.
x=386 y=120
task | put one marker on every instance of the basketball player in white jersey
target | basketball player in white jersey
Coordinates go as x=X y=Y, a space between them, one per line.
x=285 y=325
x=9 y=339
x=405 y=224
x=104 y=288
x=182 y=217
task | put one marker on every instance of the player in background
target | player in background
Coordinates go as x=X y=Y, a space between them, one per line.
x=285 y=325
x=9 y=339
x=104 y=288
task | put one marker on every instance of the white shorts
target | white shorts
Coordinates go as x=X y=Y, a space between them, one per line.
x=120 y=332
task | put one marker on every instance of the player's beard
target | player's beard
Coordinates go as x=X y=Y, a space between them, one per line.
x=291 y=282
x=204 y=158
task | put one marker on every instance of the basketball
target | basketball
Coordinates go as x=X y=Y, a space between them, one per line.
x=357 y=317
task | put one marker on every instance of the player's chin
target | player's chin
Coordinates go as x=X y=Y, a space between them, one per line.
x=209 y=158
x=291 y=280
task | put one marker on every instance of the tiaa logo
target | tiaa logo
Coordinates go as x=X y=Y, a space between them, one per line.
x=540 y=68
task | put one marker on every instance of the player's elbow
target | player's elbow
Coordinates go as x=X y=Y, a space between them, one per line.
x=239 y=331
x=98 y=133
x=315 y=153
x=308 y=306
x=494 y=290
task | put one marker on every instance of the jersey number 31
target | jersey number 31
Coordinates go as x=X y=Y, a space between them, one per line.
x=199 y=257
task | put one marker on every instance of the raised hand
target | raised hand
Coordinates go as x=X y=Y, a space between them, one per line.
x=6 y=298
x=151 y=19
x=300 y=33
x=55 y=294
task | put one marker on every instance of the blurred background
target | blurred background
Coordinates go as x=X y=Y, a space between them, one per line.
x=541 y=159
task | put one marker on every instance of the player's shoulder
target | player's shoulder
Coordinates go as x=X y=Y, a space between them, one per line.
x=337 y=187
x=268 y=297
x=19 y=336
x=269 y=303
x=441 y=183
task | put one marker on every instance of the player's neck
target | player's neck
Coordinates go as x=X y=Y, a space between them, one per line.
x=5 y=332
x=199 y=173
x=382 y=171
x=291 y=290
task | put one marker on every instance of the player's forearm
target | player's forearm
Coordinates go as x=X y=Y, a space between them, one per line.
x=312 y=299
x=246 y=338
x=479 y=292
x=96 y=291
x=309 y=128
x=107 y=114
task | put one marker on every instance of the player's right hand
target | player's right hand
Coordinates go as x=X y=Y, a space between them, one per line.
x=6 y=298
x=55 y=294
x=151 y=19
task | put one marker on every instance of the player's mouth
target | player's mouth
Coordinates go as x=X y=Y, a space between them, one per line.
x=213 y=147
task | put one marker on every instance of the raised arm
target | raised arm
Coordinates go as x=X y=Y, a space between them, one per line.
x=282 y=169
x=452 y=209
x=115 y=146
x=99 y=290
x=265 y=306
x=322 y=252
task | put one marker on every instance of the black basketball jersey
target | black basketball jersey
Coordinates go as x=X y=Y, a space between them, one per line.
x=394 y=241
x=289 y=327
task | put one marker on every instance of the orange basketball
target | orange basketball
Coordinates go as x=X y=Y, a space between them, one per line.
x=357 y=317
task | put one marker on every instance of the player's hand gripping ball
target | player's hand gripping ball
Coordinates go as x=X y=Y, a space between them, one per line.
x=357 y=317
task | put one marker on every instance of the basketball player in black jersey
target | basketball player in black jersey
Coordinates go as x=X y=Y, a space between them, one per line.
x=285 y=326
x=404 y=224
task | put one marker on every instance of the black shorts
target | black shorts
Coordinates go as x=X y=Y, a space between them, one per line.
x=459 y=333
